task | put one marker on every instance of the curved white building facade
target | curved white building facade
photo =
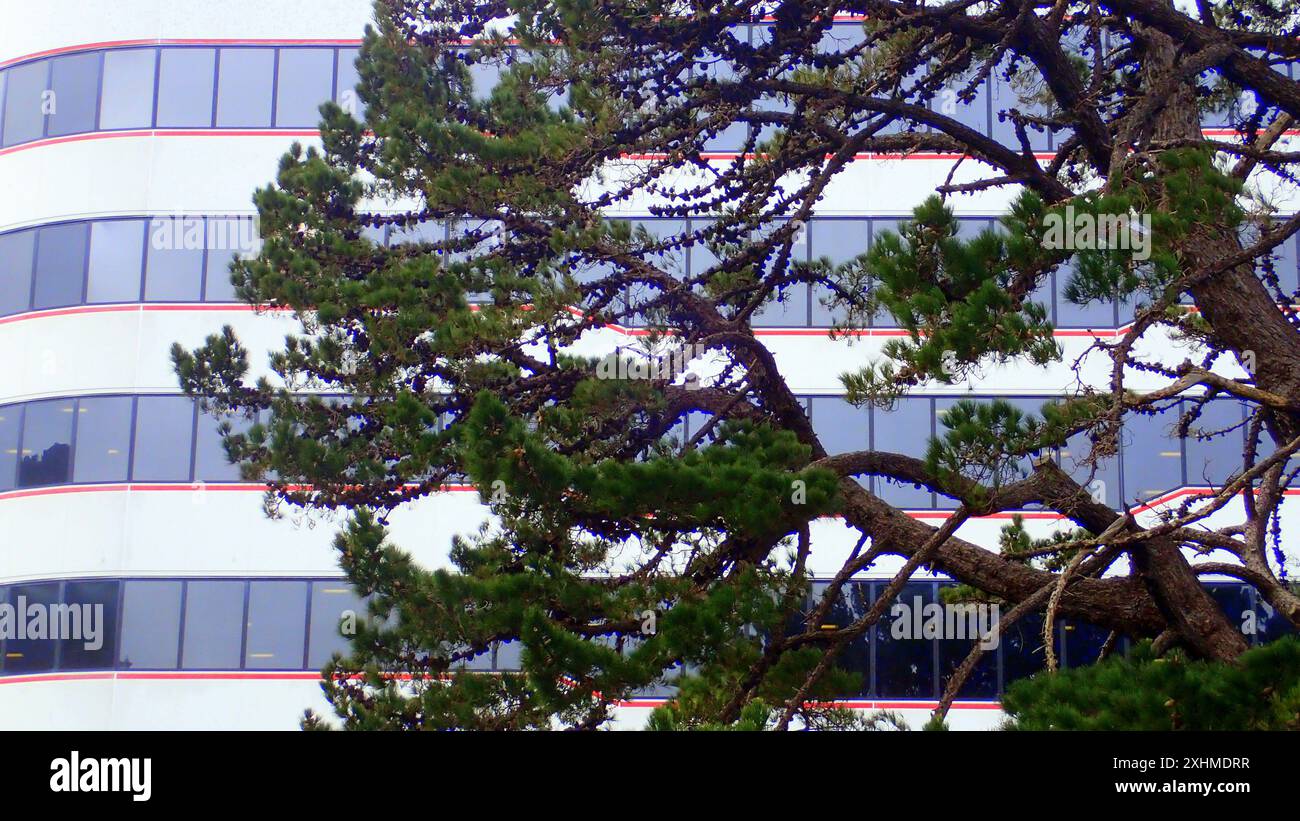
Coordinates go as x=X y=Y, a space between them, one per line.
x=132 y=136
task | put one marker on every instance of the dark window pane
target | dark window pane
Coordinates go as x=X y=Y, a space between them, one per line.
x=116 y=248
x=1153 y=456
x=1272 y=624
x=214 y=620
x=305 y=76
x=1083 y=643
x=60 y=265
x=16 y=252
x=345 y=92
x=244 y=87
x=10 y=418
x=174 y=267
x=1211 y=460
x=163 y=427
x=103 y=439
x=75 y=82
x=904 y=657
x=853 y=603
x=32 y=654
x=227 y=239
x=1023 y=650
x=277 y=624
x=26 y=102
x=94 y=605
x=1237 y=602
x=47 y=443
x=905 y=430
x=975 y=621
x=127 y=98
x=185 y=87
x=151 y=625
x=331 y=602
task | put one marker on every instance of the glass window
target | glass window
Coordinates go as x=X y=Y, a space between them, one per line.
x=227 y=239
x=1104 y=485
x=345 y=88
x=1236 y=600
x=116 y=249
x=1023 y=650
x=1095 y=314
x=839 y=240
x=151 y=625
x=1153 y=456
x=1082 y=643
x=1016 y=93
x=510 y=656
x=210 y=461
x=92 y=614
x=1212 y=460
x=185 y=87
x=174 y=266
x=75 y=82
x=26 y=102
x=33 y=654
x=163 y=426
x=975 y=622
x=904 y=657
x=47 y=443
x=214 y=620
x=905 y=430
x=244 y=87
x=60 y=264
x=127 y=98
x=1287 y=265
x=16 y=252
x=277 y=624
x=791 y=309
x=103 y=439
x=11 y=417
x=303 y=83
x=973 y=114
x=853 y=603
x=841 y=427
x=331 y=603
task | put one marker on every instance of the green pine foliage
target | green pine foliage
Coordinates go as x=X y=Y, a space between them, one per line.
x=1138 y=692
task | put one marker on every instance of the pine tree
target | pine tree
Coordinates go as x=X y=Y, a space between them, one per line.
x=622 y=556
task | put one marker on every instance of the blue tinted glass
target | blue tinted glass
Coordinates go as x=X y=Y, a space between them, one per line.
x=214 y=618
x=839 y=240
x=16 y=252
x=11 y=417
x=304 y=80
x=1286 y=265
x=277 y=624
x=841 y=427
x=116 y=250
x=973 y=114
x=210 y=461
x=244 y=83
x=852 y=603
x=1237 y=602
x=1095 y=314
x=1023 y=649
x=790 y=308
x=60 y=265
x=47 y=443
x=91 y=644
x=334 y=607
x=1153 y=456
x=1104 y=485
x=32 y=654
x=345 y=90
x=509 y=655
x=26 y=102
x=174 y=265
x=971 y=622
x=227 y=240
x=1082 y=643
x=75 y=82
x=1016 y=94
x=103 y=439
x=185 y=83
x=151 y=625
x=904 y=657
x=163 y=429
x=127 y=98
x=1210 y=461
x=905 y=430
